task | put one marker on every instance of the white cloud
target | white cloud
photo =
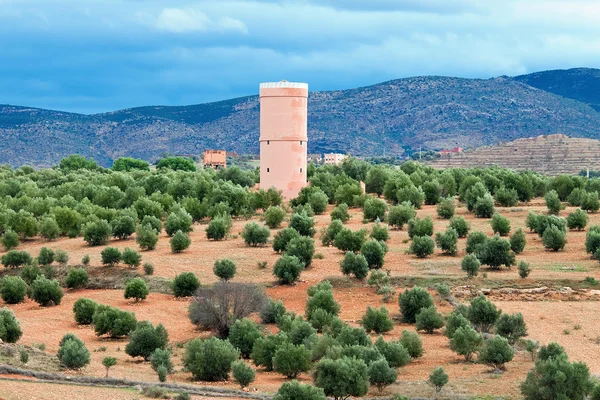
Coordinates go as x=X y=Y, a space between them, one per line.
x=180 y=20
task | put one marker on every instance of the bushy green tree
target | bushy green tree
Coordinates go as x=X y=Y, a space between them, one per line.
x=77 y=278
x=46 y=292
x=457 y=319
x=484 y=206
x=108 y=362
x=590 y=203
x=483 y=314
x=72 y=353
x=185 y=284
x=145 y=339
x=518 y=241
x=84 y=309
x=496 y=252
x=255 y=235
x=470 y=264
x=466 y=341
x=46 y=256
x=558 y=378
x=146 y=237
x=137 y=289
x=412 y=301
x=296 y=391
x=422 y=246
x=123 y=227
x=340 y=212
x=49 y=228
x=178 y=220
x=243 y=334
x=394 y=353
x=272 y=311
x=303 y=224
x=242 y=373
x=264 y=349
x=460 y=225
x=554 y=239
x=399 y=215
x=274 y=216
x=348 y=240
x=553 y=202
x=283 y=237
x=15 y=259
x=161 y=357
x=412 y=343
x=342 y=378
x=496 y=352
x=506 y=197
x=376 y=320
x=303 y=248
x=578 y=219
x=219 y=227
x=379 y=232
x=475 y=241
x=374 y=209
x=420 y=227
x=97 y=233
x=290 y=360
x=13 y=289
x=438 y=379
x=511 y=326
x=355 y=264
x=112 y=321
x=209 y=359
x=10 y=329
x=447 y=241
x=523 y=269
x=10 y=240
x=374 y=253
x=224 y=269
x=180 y=241
x=500 y=224
x=412 y=194
x=381 y=374
x=287 y=269
x=445 y=208
x=429 y=319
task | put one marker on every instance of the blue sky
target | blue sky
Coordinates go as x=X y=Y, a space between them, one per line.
x=101 y=55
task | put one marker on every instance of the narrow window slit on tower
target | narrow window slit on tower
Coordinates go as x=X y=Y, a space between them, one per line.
x=267 y=169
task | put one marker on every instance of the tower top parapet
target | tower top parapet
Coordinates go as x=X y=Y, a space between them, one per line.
x=284 y=84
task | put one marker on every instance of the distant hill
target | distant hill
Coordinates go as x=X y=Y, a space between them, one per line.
x=582 y=84
x=552 y=155
x=388 y=118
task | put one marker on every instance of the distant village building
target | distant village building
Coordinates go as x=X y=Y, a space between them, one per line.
x=334 y=158
x=451 y=151
x=215 y=159
x=283 y=136
x=315 y=158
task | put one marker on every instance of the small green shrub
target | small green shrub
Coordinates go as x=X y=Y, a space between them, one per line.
x=46 y=292
x=15 y=259
x=72 y=353
x=242 y=373
x=110 y=256
x=283 y=237
x=355 y=264
x=518 y=241
x=180 y=241
x=224 y=269
x=131 y=258
x=445 y=208
x=524 y=269
x=500 y=224
x=137 y=289
x=148 y=268
x=399 y=215
x=460 y=225
x=420 y=227
x=447 y=241
x=470 y=264
x=412 y=301
x=46 y=256
x=13 y=289
x=84 y=309
x=429 y=319
x=496 y=352
x=340 y=212
x=255 y=235
x=376 y=320
x=77 y=278
x=274 y=216
x=422 y=246
x=185 y=284
x=209 y=359
x=287 y=269
x=412 y=343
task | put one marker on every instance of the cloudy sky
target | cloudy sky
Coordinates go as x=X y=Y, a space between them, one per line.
x=100 y=55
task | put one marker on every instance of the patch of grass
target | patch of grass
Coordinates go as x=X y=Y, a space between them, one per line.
x=102 y=348
x=577 y=327
x=565 y=268
x=566 y=332
x=319 y=256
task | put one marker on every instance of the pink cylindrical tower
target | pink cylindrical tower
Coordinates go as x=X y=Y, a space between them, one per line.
x=283 y=136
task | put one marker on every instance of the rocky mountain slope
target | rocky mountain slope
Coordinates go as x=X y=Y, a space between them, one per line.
x=582 y=84
x=387 y=118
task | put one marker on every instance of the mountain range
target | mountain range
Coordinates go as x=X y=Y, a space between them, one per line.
x=389 y=118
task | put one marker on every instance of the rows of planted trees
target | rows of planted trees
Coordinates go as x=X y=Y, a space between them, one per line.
x=77 y=198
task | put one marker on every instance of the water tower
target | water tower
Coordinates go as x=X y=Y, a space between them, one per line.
x=283 y=136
